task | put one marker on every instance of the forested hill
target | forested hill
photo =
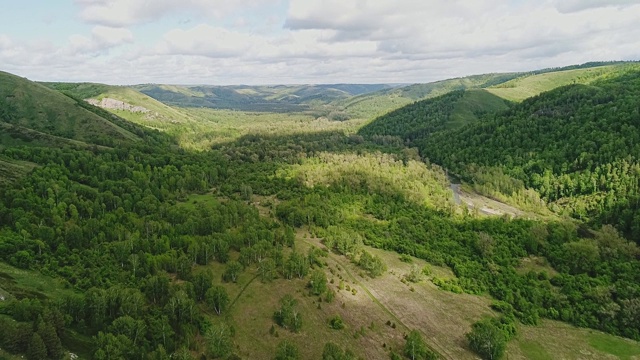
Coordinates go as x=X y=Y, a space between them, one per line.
x=30 y=112
x=577 y=146
x=280 y=98
x=420 y=119
x=380 y=102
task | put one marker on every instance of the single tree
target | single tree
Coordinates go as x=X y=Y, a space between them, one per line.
x=217 y=299
x=36 y=349
x=487 y=340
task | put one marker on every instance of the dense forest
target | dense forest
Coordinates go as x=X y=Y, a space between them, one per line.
x=147 y=237
x=576 y=146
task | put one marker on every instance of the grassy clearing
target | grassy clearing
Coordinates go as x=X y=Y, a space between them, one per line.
x=11 y=170
x=443 y=317
x=557 y=340
x=366 y=333
x=624 y=349
x=23 y=283
x=534 y=351
x=536 y=264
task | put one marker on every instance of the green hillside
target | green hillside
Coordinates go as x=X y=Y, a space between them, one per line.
x=527 y=86
x=34 y=107
x=510 y=86
x=577 y=146
x=154 y=113
x=380 y=102
x=423 y=118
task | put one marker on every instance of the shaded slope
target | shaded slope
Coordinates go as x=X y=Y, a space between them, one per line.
x=34 y=107
x=423 y=118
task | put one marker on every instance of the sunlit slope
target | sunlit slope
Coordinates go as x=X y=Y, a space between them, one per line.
x=127 y=103
x=530 y=85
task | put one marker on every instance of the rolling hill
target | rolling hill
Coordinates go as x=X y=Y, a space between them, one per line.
x=576 y=146
x=279 y=98
x=31 y=111
x=510 y=86
x=421 y=119
x=379 y=103
x=533 y=84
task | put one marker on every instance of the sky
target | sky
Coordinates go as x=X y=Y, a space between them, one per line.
x=256 y=42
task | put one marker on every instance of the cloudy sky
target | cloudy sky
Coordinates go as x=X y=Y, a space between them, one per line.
x=307 y=41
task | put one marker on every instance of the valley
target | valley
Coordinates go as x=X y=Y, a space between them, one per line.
x=323 y=222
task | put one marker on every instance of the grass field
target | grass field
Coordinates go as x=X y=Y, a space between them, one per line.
x=557 y=340
x=622 y=348
x=23 y=283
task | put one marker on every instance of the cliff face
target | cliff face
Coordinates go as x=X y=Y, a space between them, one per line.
x=108 y=103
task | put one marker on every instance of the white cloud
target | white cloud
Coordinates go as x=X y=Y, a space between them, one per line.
x=102 y=39
x=568 y=6
x=206 y=40
x=322 y=41
x=119 y=13
x=216 y=42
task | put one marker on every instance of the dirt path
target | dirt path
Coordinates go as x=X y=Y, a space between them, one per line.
x=242 y=291
x=432 y=342
x=483 y=204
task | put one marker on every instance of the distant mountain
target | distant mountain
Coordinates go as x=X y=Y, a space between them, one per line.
x=279 y=98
